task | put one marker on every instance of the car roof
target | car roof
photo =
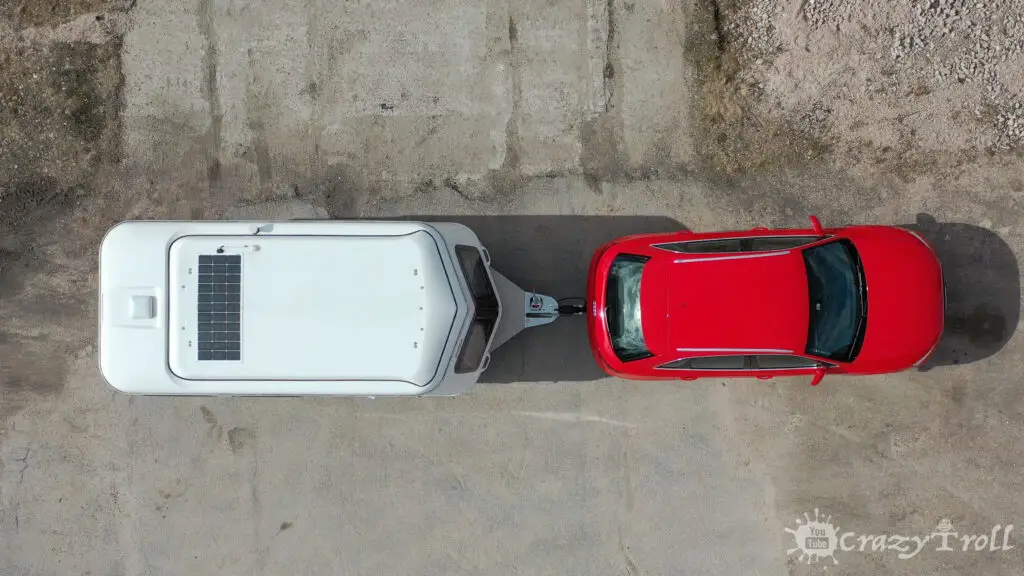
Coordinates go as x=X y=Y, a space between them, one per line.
x=755 y=302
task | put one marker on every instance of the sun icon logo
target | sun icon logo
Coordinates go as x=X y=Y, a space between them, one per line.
x=815 y=539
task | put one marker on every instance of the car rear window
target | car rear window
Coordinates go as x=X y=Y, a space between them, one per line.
x=622 y=307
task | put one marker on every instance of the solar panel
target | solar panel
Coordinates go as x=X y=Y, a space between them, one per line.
x=220 y=307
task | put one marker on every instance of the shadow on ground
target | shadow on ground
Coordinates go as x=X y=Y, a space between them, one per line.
x=982 y=290
x=549 y=254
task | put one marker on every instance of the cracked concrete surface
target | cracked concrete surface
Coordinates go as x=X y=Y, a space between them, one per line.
x=549 y=128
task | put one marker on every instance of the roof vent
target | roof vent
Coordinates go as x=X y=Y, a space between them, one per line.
x=143 y=307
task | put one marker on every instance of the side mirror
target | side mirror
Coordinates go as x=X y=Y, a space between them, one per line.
x=816 y=225
x=819 y=373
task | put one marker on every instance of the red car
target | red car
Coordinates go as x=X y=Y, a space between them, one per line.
x=764 y=303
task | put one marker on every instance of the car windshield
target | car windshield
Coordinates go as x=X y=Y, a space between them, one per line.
x=838 y=300
x=622 y=307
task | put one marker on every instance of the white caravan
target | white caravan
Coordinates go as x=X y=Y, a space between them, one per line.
x=329 y=307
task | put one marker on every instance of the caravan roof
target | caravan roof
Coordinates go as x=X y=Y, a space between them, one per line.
x=222 y=304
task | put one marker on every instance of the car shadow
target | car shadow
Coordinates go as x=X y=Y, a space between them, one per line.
x=551 y=255
x=982 y=290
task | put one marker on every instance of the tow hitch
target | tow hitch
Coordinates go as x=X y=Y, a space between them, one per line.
x=542 y=309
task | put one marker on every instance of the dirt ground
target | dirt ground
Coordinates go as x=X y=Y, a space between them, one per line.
x=905 y=112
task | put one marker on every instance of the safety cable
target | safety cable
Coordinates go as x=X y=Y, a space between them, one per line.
x=572 y=309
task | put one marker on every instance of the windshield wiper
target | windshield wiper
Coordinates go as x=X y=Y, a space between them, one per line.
x=862 y=288
x=862 y=300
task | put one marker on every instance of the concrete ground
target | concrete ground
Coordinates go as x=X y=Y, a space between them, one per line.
x=549 y=128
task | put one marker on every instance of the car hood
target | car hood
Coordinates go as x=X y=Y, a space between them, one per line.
x=905 y=299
